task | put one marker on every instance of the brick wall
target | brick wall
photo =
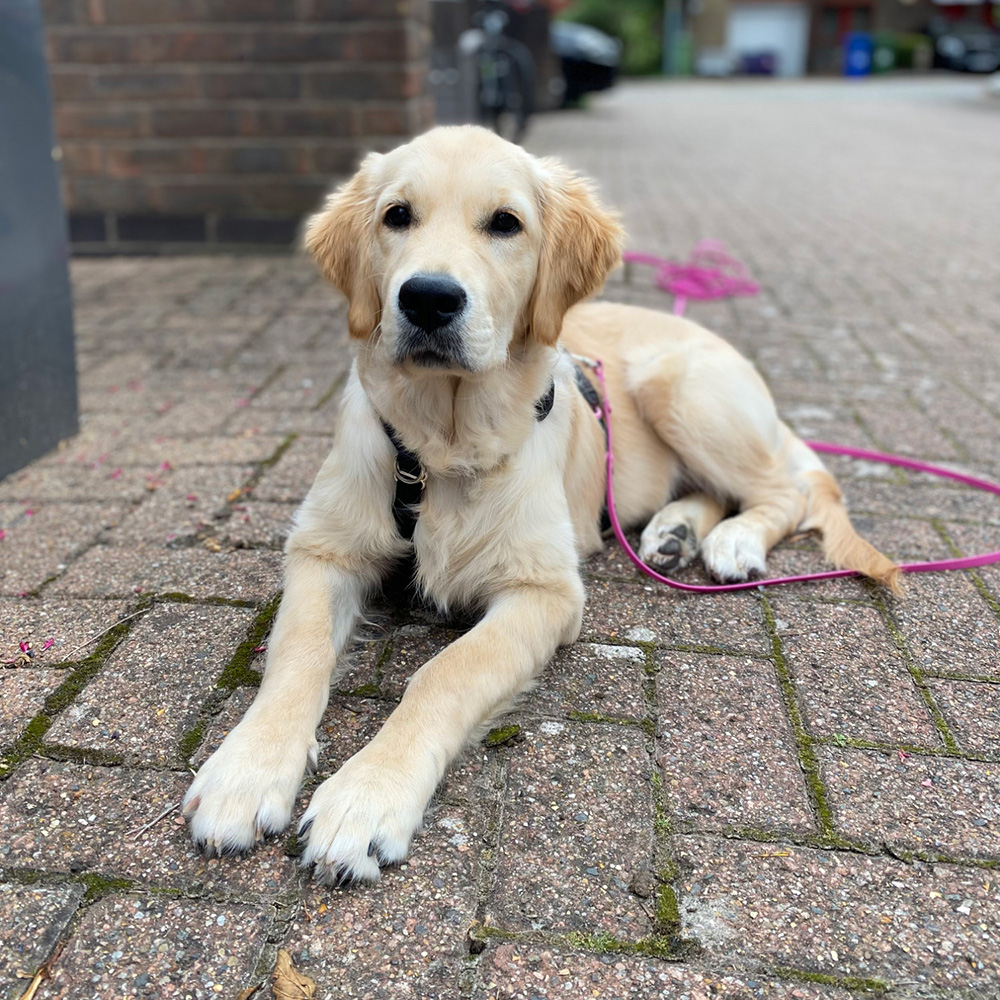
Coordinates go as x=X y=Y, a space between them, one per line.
x=186 y=122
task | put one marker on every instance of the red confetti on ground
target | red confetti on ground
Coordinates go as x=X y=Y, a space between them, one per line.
x=24 y=646
x=259 y=649
x=117 y=474
x=903 y=756
x=48 y=644
x=165 y=467
x=3 y=534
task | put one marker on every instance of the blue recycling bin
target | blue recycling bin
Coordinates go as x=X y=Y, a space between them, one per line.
x=857 y=54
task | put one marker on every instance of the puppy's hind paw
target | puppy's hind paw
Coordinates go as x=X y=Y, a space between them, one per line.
x=733 y=553
x=667 y=547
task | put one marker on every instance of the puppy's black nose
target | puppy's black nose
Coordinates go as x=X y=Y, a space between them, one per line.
x=430 y=301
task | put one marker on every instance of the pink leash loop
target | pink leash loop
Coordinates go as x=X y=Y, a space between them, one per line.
x=710 y=273
x=967 y=562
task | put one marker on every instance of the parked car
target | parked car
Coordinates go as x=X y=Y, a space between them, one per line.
x=590 y=58
x=966 y=46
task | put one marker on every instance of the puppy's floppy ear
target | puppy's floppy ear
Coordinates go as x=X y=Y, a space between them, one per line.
x=339 y=238
x=582 y=243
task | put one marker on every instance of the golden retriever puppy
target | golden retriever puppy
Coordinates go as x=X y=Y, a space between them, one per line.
x=463 y=259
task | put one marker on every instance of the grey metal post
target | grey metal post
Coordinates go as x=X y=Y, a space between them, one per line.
x=38 y=401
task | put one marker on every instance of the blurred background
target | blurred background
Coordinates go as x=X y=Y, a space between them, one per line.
x=200 y=124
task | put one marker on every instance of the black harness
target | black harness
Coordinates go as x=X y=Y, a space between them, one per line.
x=411 y=475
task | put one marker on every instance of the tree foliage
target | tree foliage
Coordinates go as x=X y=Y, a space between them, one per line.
x=638 y=23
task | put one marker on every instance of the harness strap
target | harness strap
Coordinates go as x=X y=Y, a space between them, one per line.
x=410 y=479
x=593 y=400
x=411 y=475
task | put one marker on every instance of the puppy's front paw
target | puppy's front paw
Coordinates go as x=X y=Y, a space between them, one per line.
x=246 y=789
x=363 y=817
x=734 y=553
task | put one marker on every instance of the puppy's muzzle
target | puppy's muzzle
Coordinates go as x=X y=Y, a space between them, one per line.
x=432 y=305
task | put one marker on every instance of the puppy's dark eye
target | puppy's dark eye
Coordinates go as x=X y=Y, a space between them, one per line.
x=504 y=224
x=398 y=217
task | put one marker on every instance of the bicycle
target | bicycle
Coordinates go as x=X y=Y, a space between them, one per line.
x=506 y=83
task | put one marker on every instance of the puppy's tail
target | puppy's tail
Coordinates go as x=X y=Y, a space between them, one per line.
x=842 y=545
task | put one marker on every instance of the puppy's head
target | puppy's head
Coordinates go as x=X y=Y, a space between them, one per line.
x=458 y=245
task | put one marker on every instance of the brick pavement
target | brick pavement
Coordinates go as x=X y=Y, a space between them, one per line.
x=790 y=795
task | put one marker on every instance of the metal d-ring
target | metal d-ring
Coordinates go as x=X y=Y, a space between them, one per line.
x=410 y=478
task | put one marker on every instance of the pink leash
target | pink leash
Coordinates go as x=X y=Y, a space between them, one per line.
x=712 y=274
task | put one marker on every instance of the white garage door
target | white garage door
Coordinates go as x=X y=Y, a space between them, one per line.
x=781 y=28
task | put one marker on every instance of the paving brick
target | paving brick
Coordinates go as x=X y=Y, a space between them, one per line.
x=405 y=937
x=518 y=971
x=65 y=817
x=948 y=626
x=800 y=559
x=412 y=647
x=591 y=679
x=68 y=623
x=304 y=423
x=99 y=480
x=850 y=679
x=107 y=571
x=255 y=525
x=978 y=535
x=724 y=621
x=222 y=723
x=207 y=450
x=22 y=694
x=40 y=543
x=922 y=499
x=934 y=804
x=301 y=387
x=363 y=659
x=612 y=560
x=103 y=440
x=206 y=413
x=158 y=946
x=289 y=479
x=574 y=835
x=34 y=918
x=902 y=539
x=188 y=504
x=906 y=431
x=972 y=712
x=148 y=695
x=724 y=745
x=840 y=913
